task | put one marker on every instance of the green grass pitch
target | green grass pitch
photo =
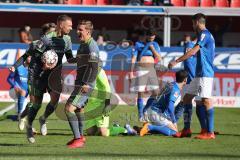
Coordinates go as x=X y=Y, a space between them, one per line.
x=13 y=143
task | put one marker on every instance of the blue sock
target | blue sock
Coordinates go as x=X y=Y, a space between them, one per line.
x=179 y=111
x=162 y=129
x=201 y=114
x=149 y=103
x=187 y=116
x=21 y=100
x=210 y=120
x=140 y=107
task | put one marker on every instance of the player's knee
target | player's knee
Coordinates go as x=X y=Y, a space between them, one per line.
x=22 y=92
x=69 y=108
x=206 y=102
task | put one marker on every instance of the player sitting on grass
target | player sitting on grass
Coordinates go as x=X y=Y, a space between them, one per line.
x=160 y=115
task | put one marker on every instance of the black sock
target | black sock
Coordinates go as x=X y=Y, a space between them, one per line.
x=33 y=109
x=48 y=111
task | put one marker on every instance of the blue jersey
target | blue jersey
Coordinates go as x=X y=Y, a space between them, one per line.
x=19 y=78
x=142 y=49
x=190 y=63
x=205 y=58
x=169 y=97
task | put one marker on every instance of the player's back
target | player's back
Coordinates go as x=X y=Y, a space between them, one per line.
x=205 y=58
x=21 y=76
x=170 y=92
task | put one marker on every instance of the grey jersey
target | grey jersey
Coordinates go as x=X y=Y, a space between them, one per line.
x=87 y=62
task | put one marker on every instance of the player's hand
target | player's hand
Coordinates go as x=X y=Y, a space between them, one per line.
x=175 y=124
x=17 y=89
x=47 y=66
x=131 y=76
x=107 y=109
x=172 y=64
x=12 y=69
x=85 y=88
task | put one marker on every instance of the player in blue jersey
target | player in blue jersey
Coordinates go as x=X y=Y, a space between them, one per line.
x=160 y=114
x=145 y=51
x=190 y=67
x=202 y=84
x=18 y=81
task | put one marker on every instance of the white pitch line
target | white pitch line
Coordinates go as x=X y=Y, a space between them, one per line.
x=8 y=108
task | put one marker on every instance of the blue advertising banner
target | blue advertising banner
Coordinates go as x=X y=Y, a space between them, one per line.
x=115 y=57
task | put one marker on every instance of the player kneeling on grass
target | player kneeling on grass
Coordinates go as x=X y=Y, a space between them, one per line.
x=99 y=108
x=160 y=115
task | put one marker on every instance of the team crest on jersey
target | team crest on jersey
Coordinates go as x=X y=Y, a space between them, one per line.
x=176 y=94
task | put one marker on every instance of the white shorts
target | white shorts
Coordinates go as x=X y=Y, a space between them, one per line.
x=155 y=118
x=184 y=91
x=201 y=86
x=146 y=80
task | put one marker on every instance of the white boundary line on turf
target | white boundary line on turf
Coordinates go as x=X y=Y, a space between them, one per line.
x=8 y=108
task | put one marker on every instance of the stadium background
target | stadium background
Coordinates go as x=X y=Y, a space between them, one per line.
x=116 y=21
x=116 y=57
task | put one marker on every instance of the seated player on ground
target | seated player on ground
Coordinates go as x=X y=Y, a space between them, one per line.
x=160 y=115
x=99 y=103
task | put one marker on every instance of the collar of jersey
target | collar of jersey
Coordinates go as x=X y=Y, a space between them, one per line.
x=88 y=41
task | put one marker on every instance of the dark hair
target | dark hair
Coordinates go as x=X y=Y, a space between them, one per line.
x=181 y=75
x=199 y=17
x=141 y=32
x=151 y=32
x=63 y=17
x=46 y=27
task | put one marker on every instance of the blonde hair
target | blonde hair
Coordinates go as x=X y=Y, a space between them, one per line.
x=88 y=25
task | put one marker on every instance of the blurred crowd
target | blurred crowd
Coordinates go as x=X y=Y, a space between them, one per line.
x=123 y=2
